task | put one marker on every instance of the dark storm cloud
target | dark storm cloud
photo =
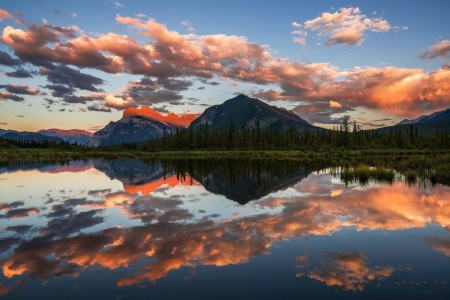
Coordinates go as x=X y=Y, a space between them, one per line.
x=60 y=90
x=71 y=224
x=62 y=74
x=81 y=99
x=148 y=95
x=174 y=84
x=19 y=73
x=99 y=108
x=19 y=213
x=213 y=83
x=20 y=229
x=7 y=243
x=7 y=60
x=8 y=206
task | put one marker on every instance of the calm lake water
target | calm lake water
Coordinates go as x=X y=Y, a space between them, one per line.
x=217 y=229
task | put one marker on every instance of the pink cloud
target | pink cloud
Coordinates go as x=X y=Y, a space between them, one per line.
x=299 y=40
x=346 y=26
x=440 y=50
x=5 y=15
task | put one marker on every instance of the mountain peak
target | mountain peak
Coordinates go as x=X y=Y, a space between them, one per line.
x=148 y=112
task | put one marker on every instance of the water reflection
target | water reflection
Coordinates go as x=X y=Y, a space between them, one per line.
x=158 y=216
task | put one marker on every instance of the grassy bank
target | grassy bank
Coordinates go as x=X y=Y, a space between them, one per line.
x=12 y=154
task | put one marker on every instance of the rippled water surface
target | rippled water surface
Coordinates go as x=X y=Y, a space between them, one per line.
x=215 y=229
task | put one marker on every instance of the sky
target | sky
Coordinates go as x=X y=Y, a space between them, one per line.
x=79 y=64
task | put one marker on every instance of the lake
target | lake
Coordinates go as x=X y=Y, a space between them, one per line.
x=218 y=228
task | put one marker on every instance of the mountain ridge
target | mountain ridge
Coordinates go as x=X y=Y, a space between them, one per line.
x=246 y=111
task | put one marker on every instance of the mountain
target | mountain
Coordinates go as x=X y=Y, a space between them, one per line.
x=5 y=131
x=138 y=125
x=245 y=111
x=30 y=136
x=171 y=119
x=443 y=115
x=425 y=124
x=72 y=136
x=412 y=121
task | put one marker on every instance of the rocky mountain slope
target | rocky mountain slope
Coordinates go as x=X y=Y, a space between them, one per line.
x=138 y=125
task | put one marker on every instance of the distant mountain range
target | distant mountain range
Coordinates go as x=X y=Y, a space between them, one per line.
x=438 y=116
x=30 y=136
x=425 y=124
x=138 y=125
x=81 y=137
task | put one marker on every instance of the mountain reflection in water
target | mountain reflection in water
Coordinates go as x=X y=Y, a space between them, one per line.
x=147 y=221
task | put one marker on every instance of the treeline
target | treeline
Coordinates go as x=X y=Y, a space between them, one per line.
x=344 y=136
x=62 y=145
x=45 y=144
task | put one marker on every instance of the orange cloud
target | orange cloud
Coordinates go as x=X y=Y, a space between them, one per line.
x=350 y=270
x=335 y=104
x=169 y=55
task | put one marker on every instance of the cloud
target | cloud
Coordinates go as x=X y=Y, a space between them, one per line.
x=295 y=24
x=20 y=116
x=61 y=74
x=7 y=60
x=439 y=244
x=322 y=112
x=350 y=271
x=118 y=4
x=82 y=99
x=374 y=124
x=10 y=96
x=50 y=101
x=334 y=104
x=148 y=91
x=140 y=15
x=213 y=83
x=5 y=15
x=73 y=15
x=20 y=229
x=20 y=213
x=300 y=41
x=20 y=89
x=119 y=103
x=187 y=24
x=55 y=11
x=19 y=73
x=98 y=108
x=60 y=90
x=440 y=50
x=346 y=26
x=169 y=56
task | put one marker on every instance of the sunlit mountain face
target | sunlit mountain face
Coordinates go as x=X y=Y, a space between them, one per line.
x=220 y=227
